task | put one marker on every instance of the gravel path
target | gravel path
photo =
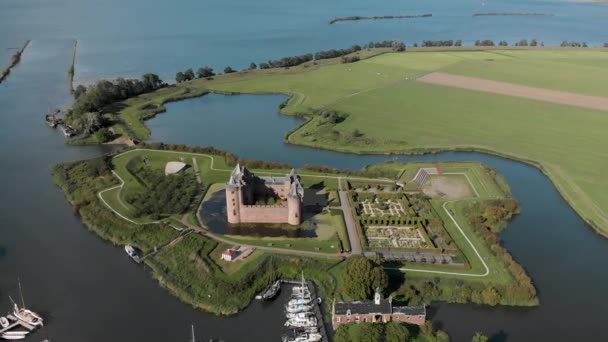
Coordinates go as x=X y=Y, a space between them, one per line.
x=511 y=89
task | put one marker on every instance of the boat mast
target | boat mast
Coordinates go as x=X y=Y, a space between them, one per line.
x=21 y=293
x=193 y=338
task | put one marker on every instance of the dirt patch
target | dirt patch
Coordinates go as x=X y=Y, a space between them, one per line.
x=447 y=187
x=510 y=89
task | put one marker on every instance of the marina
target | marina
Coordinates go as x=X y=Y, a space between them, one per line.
x=303 y=314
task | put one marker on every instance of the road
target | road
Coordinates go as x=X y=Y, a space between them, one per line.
x=349 y=220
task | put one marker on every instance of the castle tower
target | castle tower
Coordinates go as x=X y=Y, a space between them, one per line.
x=294 y=200
x=233 y=196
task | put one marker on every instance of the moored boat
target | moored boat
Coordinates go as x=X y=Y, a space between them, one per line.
x=298 y=308
x=133 y=252
x=27 y=316
x=301 y=323
x=4 y=322
x=14 y=335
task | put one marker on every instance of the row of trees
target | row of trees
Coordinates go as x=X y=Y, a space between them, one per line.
x=287 y=62
x=567 y=43
x=389 y=332
x=103 y=93
x=434 y=43
x=188 y=75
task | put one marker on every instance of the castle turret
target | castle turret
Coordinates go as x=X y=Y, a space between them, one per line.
x=294 y=200
x=233 y=196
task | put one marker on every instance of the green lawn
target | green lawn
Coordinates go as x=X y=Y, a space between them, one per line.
x=397 y=114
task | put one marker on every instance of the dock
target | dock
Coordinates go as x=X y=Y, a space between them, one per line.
x=317 y=307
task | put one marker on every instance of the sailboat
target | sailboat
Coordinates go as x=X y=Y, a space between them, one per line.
x=24 y=314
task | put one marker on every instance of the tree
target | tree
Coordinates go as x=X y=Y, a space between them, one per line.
x=80 y=89
x=396 y=332
x=490 y=296
x=151 y=81
x=534 y=42
x=204 y=72
x=264 y=65
x=342 y=335
x=362 y=276
x=179 y=77
x=369 y=332
x=189 y=75
x=479 y=337
x=228 y=70
x=458 y=43
x=442 y=336
x=252 y=66
x=523 y=42
x=606 y=45
x=398 y=46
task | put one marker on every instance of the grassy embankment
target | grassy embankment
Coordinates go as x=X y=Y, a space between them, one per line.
x=395 y=114
x=189 y=269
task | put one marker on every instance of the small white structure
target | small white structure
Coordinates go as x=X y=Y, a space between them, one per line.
x=173 y=167
x=229 y=255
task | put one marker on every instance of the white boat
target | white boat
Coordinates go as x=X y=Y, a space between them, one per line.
x=4 y=322
x=299 y=315
x=299 y=301
x=313 y=337
x=298 y=308
x=14 y=335
x=27 y=316
x=301 y=323
x=133 y=253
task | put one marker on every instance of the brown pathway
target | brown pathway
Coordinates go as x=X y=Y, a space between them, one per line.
x=511 y=89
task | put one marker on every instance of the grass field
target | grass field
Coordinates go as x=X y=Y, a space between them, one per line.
x=397 y=114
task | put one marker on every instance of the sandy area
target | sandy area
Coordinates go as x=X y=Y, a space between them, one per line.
x=510 y=89
x=445 y=187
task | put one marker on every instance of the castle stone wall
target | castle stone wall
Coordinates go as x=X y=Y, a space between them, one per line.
x=263 y=214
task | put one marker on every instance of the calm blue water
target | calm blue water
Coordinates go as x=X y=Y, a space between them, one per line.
x=87 y=288
x=129 y=38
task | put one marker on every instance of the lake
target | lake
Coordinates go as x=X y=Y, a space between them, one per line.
x=90 y=291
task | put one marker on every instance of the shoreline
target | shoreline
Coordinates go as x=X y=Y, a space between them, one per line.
x=15 y=59
x=378 y=17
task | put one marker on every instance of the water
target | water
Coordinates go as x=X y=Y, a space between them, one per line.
x=90 y=291
x=561 y=253
x=132 y=37
x=86 y=289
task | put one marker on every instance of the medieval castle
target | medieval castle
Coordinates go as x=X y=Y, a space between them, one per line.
x=253 y=199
